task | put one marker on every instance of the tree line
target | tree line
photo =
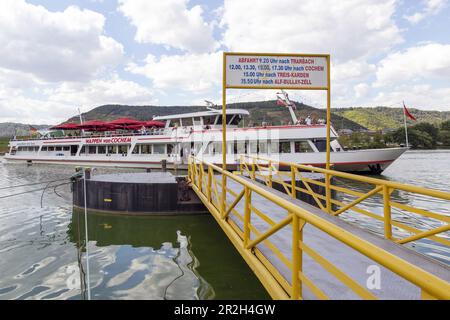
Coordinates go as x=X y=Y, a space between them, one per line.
x=422 y=135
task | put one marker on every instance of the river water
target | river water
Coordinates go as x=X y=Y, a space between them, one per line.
x=182 y=257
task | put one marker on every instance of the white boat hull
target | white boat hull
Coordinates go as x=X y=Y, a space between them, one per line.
x=372 y=161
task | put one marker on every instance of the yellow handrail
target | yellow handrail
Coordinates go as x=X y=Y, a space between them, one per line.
x=381 y=187
x=430 y=284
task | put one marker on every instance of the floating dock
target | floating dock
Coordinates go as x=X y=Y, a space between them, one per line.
x=139 y=193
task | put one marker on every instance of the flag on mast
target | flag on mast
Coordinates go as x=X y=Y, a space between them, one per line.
x=407 y=113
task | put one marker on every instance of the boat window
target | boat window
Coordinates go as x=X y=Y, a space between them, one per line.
x=136 y=149
x=229 y=117
x=217 y=148
x=321 y=144
x=284 y=147
x=253 y=146
x=170 y=148
x=66 y=148
x=262 y=147
x=187 y=122
x=209 y=120
x=196 y=148
x=44 y=149
x=123 y=148
x=302 y=146
x=159 y=148
x=82 y=150
x=92 y=149
x=175 y=123
x=51 y=148
x=273 y=147
x=235 y=120
x=146 y=149
x=58 y=148
x=112 y=149
x=197 y=121
x=101 y=149
x=241 y=147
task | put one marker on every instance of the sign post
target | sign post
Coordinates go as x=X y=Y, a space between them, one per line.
x=275 y=71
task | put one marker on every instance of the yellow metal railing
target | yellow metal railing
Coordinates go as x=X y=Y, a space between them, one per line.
x=247 y=239
x=267 y=170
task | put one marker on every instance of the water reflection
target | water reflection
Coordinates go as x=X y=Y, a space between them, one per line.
x=160 y=257
x=130 y=257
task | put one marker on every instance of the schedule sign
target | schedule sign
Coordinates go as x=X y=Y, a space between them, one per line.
x=263 y=71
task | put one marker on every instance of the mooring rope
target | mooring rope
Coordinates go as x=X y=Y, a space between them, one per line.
x=32 y=184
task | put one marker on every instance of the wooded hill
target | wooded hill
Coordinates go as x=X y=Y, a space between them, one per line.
x=382 y=118
x=260 y=111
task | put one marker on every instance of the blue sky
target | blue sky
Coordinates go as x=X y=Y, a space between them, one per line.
x=57 y=56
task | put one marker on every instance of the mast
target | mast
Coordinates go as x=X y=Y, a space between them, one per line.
x=289 y=104
x=81 y=120
x=406 y=127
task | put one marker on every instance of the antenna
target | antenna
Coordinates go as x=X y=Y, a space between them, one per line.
x=210 y=105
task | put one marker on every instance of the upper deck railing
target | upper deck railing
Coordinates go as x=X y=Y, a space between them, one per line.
x=162 y=131
x=107 y=135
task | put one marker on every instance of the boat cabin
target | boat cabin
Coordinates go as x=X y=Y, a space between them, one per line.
x=204 y=119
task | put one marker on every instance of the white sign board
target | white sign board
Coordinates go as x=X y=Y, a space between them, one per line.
x=272 y=71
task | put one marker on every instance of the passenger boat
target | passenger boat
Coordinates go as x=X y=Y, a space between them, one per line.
x=200 y=134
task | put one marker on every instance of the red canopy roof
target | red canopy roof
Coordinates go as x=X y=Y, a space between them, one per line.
x=154 y=123
x=66 y=126
x=125 y=122
x=96 y=125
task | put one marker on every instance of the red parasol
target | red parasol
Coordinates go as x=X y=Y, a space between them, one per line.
x=96 y=125
x=125 y=122
x=154 y=123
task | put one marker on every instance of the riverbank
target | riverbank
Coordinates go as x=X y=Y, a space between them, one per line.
x=4 y=145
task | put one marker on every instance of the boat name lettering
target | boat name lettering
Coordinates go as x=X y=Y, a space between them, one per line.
x=108 y=140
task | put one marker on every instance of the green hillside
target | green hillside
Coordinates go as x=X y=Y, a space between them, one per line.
x=382 y=118
x=260 y=111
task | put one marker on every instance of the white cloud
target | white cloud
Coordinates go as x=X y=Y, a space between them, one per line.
x=351 y=70
x=195 y=73
x=361 y=90
x=423 y=97
x=427 y=62
x=111 y=90
x=430 y=7
x=345 y=29
x=56 y=103
x=55 y=46
x=171 y=23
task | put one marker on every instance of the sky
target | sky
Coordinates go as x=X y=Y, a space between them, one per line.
x=58 y=56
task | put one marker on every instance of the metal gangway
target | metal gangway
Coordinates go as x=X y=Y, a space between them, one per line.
x=303 y=251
